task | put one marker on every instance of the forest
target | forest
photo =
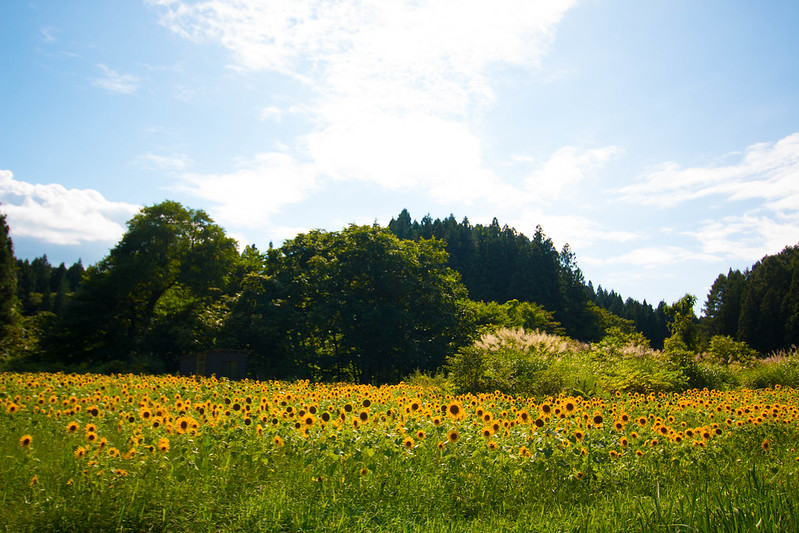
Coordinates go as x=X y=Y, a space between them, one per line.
x=365 y=304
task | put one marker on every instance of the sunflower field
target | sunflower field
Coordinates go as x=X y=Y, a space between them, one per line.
x=84 y=452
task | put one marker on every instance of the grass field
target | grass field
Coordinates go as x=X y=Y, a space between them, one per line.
x=161 y=453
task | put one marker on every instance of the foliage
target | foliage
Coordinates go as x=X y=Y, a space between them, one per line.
x=724 y=349
x=513 y=361
x=42 y=287
x=514 y=314
x=147 y=295
x=499 y=264
x=652 y=322
x=682 y=325
x=781 y=368
x=144 y=453
x=8 y=284
x=759 y=306
x=357 y=304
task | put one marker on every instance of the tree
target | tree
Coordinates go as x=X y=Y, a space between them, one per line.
x=147 y=295
x=355 y=304
x=682 y=325
x=8 y=285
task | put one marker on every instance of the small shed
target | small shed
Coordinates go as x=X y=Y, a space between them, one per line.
x=231 y=364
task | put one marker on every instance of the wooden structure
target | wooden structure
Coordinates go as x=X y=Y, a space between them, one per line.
x=231 y=364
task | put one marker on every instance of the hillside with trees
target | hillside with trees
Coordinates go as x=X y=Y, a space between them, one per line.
x=497 y=263
x=759 y=306
x=370 y=304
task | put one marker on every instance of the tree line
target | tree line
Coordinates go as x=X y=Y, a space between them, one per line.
x=498 y=264
x=759 y=306
x=365 y=303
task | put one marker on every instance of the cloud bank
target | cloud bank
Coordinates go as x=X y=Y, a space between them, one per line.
x=59 y=215
x=397 y=86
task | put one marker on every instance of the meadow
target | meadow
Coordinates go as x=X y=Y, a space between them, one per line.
x=90 y=452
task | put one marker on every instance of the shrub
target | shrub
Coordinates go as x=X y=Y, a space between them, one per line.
x=512 y=361
x=725 y=350
x=781 y=368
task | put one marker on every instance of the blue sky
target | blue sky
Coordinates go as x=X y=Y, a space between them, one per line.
x=659 y=139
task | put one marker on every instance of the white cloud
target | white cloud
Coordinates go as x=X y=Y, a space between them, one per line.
x=565 y=169
x=766 y=175
x=420 y=51
x=59 y=215
x=115 y=82
x=47 y=34
x=765 y=171
x=435 y=155
x=249 y=195
x=271 y=113
x=395 y=84
x=749 y=236
x=653 y=257
x=172 y=162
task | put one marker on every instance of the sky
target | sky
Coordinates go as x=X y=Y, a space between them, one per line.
x=659 y=139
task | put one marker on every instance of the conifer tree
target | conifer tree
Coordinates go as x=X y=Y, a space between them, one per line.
x=8 y=283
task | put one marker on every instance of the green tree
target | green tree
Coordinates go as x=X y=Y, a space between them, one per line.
x=8 y=287
x=147 y=295
x=682 y=325
x=354 y=304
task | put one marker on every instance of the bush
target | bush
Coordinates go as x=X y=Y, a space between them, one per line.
x=512 y=361
x=781 y=368
x=725 y=350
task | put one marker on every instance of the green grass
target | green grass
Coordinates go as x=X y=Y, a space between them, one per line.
x=226 y=477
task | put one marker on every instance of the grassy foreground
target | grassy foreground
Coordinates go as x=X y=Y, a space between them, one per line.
x=145 y=453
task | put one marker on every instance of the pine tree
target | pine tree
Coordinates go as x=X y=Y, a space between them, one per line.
x=8 y=283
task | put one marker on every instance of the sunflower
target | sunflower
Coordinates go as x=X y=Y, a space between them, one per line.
x=182 y=424
x=79 y=452
x=25 y=441
x=452 y=435
x=163 y=444
x=408 y=442
x=765 y=445
x=278 y=441
x=420 y=434
x=492 y=445
x=454 y=409
x=73 y=427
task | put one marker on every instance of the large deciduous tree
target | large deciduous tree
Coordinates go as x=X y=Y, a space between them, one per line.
x=148 y=294
x=355 y=304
